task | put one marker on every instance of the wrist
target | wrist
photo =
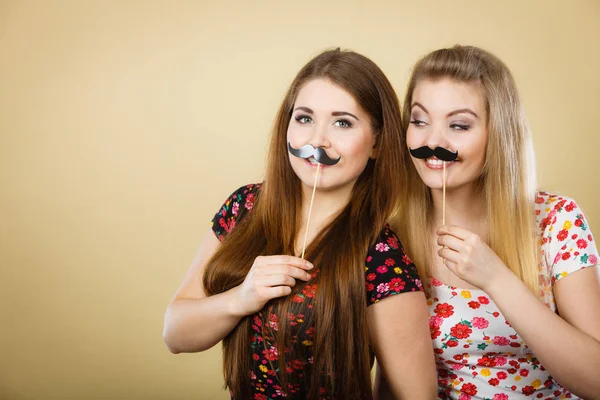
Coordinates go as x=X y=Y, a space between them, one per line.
x=501 y=283
x=233 y=303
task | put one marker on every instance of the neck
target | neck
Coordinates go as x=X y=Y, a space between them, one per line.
x=465 y=207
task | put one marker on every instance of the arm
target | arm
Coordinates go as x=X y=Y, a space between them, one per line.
x=568 y=347
x=399 y=336
x=195 y=322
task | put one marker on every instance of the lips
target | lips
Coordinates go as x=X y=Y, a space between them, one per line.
x=436 y=163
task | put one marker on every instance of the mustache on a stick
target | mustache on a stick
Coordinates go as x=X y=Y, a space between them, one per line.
x=308 y=151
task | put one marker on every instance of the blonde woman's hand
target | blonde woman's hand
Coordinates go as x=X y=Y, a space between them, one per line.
x=269 y=277
x=469 y=257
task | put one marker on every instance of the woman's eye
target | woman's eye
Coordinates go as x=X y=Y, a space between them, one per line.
x=417 y=122
x=343 y=123
x=460 y=127
x=303 y=119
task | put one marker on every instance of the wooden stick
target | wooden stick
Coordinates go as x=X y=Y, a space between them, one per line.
x=312 y=199
x=444 y=195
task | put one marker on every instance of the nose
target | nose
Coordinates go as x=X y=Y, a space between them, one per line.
x=436 y=137
x=320 y=136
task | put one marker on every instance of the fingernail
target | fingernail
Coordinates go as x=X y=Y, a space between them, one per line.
x=308 y=276
x=309 y=265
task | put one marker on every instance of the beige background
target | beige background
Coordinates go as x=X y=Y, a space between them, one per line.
x=125 y=124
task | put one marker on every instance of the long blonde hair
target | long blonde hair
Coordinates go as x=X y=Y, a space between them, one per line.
x=508 y=180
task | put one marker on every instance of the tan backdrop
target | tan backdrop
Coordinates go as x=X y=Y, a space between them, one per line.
x=125 y=124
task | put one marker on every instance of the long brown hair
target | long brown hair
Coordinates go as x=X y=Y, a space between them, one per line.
x=340 y=350
x=508 y=180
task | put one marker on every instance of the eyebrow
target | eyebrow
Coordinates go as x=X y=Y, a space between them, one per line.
x=451 y=113
x=334 y=113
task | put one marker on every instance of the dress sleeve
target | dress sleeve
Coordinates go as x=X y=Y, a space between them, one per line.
x=567 y=242
x=388 y=270
x=233 y=209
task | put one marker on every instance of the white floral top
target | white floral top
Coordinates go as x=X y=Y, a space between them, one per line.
x=478 y=354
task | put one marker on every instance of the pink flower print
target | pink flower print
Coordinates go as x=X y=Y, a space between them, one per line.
x=501 y=360
x=271 y=353
x=456 y=366
x=480 y=323
x=593 y=259
x=500 y=396
x=382 y=247
x=382 y=269
x=500 y=341
x=235 y=208
x=249 y=201
x=383 y=287
x=435 y=321
x=464 y=396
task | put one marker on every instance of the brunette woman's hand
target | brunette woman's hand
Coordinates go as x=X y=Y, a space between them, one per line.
x=269 y=277
x=469 y=257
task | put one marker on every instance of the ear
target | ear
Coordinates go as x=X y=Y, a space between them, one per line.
x=375 y=149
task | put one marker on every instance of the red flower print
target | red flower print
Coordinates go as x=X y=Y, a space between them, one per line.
x=406 y=260
x=393 y=242
x=474 y=305
x=486 y=361
x=483 y=300
x=296 y=364
x=256 y=357
x=452 y=343
x=562 y=235
x=512 y=371
x=539 y=200
x=461 y=331
x=297 y=299
x=270 y=354
x=566 y=255
x=469 y=389
x=444 y=310
x=502 y=375
x=370 y=287
x=500 y=396
x=577 y=222
x=382 y=269
x=260 y=396
x=524 y=372
x=570 y=206
x=435 y=333
x=528 y=390
x=480 y=323
x=371 y=276
x=581 y=243
x=458 y=357
x=494 y=381
x=496 y=314
x=500 y=341
x=389 y=262
x=309 y=291
x=396 y=284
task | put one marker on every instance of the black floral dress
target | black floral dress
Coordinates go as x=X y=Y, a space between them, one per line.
x=388 y=271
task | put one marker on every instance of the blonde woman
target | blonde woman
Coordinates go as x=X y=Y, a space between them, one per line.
x=513 y=274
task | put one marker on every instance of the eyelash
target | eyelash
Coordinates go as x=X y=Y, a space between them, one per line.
x=458 y=127
x=301 y=117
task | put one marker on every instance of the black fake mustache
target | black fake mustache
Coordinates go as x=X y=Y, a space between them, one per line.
x=439 y=152
x=319 y=154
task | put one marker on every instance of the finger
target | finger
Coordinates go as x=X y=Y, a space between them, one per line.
x=452 y=267
x=451 y=242
x=290 y=260
x=449 y=254
x=277 y=291
x=276 y=280
x=290 y=270
x=454 y=230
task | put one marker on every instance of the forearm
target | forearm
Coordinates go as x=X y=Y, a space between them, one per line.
x=571 y=356
x=194 y=325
